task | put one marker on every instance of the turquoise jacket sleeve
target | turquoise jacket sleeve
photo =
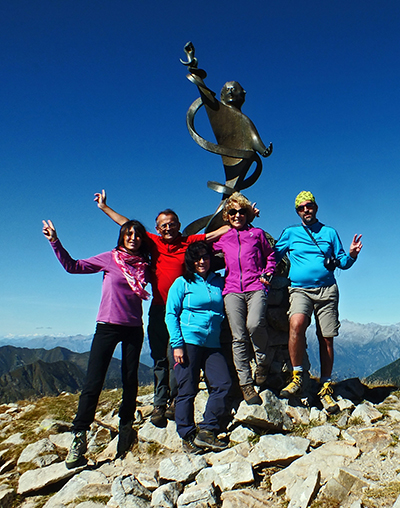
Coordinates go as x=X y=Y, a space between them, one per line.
x=173 y=312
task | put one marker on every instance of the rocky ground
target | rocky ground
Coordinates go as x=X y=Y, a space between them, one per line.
x=280 y=455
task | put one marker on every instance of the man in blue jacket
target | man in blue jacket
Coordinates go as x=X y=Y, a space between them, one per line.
x=315 y=250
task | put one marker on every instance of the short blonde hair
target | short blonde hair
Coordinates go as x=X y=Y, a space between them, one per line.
x=243 y=202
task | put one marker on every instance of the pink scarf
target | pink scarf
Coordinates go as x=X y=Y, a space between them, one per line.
x=134 y=269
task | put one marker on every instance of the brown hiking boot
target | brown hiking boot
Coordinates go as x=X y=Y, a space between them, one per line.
x=261 y=375
x=250 y=395
x=158 y=417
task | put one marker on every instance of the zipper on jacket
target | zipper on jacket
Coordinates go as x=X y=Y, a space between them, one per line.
x=240 y=264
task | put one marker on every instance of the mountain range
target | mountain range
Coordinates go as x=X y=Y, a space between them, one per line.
x=360 y=349
x=30 y=373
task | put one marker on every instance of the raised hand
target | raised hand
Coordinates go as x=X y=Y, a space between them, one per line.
x=101 y=199
x=49 y=231
x=356 y=246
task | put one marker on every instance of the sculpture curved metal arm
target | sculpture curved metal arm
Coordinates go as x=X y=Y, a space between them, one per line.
x=237 y=138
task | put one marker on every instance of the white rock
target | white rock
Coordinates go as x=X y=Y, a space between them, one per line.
x=181 y=467
x=167 y=437
x=327 y=458
x=278 y=449
x=35 y=449
x=36 y=479
x=167 y=495
x=301 y=496
x=323 y=434
x=227 y=476
x=367 y=413
x=72 y=490
x=241 y=434
x=15 y=439
x=198 y=495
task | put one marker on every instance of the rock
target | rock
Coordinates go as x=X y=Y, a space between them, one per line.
x=73 y=489
x=36 y=479
x=249 y=498
x=317 y=415
x=7 y=495
x=241 y=434
x=7 y=466
x=168 y=437
x=344 y=482
x=327 y=458
x=299 y=414
x=109 y=452
x=236 y=453
x=15 y=439
x=148 y=481
x=55 y=425
x=323 y=434
x=198 y=496
x=167 y=495
x=278 y=450
x=345 y=404
x=371 y=438
x=227 y=476
x=181 y=467
x=63 y=440
x=342 y=420
x=270 y=415
x=301 y=496
x=367 y=413
x=46 y=460
x=127 y=492
x=35 y=449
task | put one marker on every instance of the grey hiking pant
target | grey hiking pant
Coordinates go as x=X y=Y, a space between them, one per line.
x=246 y=316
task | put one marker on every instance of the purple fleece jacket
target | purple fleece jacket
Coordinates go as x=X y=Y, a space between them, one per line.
x=119 y=304
x=247 y=255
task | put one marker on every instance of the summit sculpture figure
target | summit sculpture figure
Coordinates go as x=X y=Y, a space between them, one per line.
x=238 y=140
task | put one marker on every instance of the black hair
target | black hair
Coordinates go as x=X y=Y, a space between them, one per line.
x=192 y=255
x=140 y=230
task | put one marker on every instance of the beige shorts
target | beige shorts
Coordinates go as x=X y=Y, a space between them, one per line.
x=323 y=302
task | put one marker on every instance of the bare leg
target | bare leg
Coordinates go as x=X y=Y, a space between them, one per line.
x=326 y=355
x=297 y=338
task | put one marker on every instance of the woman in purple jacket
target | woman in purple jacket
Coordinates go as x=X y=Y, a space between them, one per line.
x=250 y=263
x=119 y=319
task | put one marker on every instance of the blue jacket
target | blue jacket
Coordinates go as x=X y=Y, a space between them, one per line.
x=195 y=310
x=307 y=268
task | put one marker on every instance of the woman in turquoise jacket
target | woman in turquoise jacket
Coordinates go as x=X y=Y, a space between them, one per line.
x=194 y=313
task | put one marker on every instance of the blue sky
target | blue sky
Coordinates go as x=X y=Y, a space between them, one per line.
x=93 y=96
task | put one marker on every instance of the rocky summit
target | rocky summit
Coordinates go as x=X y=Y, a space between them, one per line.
x=281 y=454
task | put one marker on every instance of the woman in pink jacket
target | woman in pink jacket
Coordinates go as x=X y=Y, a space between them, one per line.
x=250 y=263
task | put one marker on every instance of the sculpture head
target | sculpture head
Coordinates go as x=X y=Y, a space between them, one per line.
x=233 y=94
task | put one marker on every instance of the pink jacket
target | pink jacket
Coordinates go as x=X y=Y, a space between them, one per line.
x=247 y=255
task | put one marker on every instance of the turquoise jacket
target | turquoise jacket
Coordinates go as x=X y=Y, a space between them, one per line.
x=195 y=310
x=307 y=268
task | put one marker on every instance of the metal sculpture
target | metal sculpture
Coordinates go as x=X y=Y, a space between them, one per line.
x=237 y=138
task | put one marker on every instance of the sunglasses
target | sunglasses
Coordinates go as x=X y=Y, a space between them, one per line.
x=301 y=208
x=232 y=212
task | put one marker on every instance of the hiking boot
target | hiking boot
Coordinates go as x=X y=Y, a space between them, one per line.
x=188 y=445
x=250 y=395
x=157 y=417
x=325 y=395
x=207 y=439
x=170 y=411
x=75 y=457
x=126 y=437
x=294 y=388
x=261 y=375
